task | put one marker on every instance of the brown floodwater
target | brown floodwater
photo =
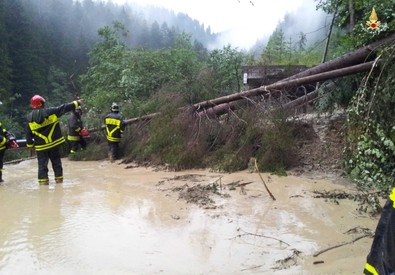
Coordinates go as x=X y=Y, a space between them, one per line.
x=106 y=219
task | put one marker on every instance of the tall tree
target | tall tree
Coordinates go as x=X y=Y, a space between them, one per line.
x=226 y=64
x=27 y=51
x=5 y=72
x=274 y=52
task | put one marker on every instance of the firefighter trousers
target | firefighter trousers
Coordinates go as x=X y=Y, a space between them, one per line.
x=75 y=145
x=113 y=150
x=43 y=158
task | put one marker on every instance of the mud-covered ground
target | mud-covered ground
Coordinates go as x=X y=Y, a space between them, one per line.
x=112 y=218
x=306 y=226
x=121 y=218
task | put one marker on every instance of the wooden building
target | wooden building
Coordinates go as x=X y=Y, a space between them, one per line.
x=256 y=76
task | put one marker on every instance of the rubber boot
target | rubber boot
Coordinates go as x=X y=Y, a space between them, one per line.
x=1 y=177
x=43 y=181
x=111 y=158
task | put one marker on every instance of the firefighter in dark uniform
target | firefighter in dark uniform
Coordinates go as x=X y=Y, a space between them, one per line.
x=77 y=131
x=115 y=126
x=44 y=134
x=7 y=140
x=381 y=258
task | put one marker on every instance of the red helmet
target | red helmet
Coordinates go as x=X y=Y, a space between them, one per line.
x=37 y=102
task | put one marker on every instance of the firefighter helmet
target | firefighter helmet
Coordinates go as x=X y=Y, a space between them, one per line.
x=114 y=107
x=37 y=102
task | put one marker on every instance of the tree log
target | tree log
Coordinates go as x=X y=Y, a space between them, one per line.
x=128 y=121
x=327 y=70
x=353 y=58
x=350 y=59
x=222 y=105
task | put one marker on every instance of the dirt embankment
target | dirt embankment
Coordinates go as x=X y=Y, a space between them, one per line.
x=320 y=145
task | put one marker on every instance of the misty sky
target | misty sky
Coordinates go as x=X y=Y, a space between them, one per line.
x=242 y=21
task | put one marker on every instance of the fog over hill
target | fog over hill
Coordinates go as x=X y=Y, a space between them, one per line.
x=240 y=23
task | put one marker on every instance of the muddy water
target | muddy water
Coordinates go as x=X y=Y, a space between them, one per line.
x=105 y=219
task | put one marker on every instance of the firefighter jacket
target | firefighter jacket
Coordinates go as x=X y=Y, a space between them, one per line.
x=75 y=126
x=115 y=126
x=381 y=258
x=43 y=130
x=3 y=138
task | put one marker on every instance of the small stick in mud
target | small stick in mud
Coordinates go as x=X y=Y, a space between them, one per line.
x=259 y=235
x=264 y=183
x=339 y=245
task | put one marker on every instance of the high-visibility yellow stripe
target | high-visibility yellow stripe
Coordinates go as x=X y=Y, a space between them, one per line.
x=371 y=269
x=34 y=126
x=73 y=138
x=48 y=121
x=113 y=121
x=110 y=133
x=3 y=143
x=113 y=139
x=392 y=197
x=50 y=145
x=41 y=136
x=52 y=130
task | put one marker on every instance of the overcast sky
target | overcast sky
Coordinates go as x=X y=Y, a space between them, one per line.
x=243 y=21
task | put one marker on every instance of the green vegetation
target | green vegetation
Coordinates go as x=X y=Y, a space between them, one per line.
x=371 y=129
x=44 y=49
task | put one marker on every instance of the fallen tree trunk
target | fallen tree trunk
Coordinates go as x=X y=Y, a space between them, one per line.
x=350 y=59
x=356 y=57
x=303 y=100
x=226 y=103
x=224 y=107
x=300 y=101
x=128 y=121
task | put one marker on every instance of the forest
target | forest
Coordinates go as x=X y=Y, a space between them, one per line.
x=45 y=44
x=56 y=49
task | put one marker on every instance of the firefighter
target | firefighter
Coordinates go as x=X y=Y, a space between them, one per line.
x=44 y=134
x=7 y=140
x=115 y=126
x=77 y=131
x=381 y=258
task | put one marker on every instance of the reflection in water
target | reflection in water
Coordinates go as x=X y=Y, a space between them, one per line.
x=98 y=222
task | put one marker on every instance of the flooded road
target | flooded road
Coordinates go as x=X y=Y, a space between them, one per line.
x=105 y=219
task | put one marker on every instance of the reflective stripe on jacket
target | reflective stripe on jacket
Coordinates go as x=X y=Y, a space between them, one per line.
x=47 y=134
x=75 y=127
x=114 y=127
x=43 y=129
x=3 y=139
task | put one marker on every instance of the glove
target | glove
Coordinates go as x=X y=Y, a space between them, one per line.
x=84 y=132
x=12 y=144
